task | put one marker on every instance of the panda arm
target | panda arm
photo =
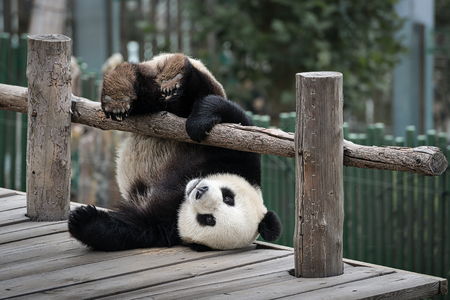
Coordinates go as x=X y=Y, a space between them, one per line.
x=107 y=231
x=213 y=110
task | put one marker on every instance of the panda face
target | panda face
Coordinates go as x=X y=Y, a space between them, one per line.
x=221 y=211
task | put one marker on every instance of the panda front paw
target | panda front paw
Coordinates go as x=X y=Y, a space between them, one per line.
x=118 y=91
x=198 y=128
x=80 y=218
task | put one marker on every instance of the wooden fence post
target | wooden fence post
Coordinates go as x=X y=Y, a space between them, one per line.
x=48 y=149
x=319 y=199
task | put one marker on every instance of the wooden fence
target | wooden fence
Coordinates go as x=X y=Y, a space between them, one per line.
x=392 y=218
x=319 y=231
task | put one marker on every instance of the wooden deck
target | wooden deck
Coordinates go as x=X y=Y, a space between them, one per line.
x=39 y=260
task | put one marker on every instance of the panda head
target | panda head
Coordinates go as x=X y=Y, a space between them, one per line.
x=224 y=211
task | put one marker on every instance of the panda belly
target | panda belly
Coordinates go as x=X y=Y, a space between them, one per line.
x=146 y=159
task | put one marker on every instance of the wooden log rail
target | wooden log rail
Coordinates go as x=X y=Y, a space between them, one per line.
x=318 y=147
x=426 y=160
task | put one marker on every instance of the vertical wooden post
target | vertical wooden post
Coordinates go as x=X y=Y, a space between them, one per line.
x=48 y=149
x=319 y=175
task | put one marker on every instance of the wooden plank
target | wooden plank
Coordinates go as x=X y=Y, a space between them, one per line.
x=12 y=209
x=107 y=269
x=52 y=255
x=294 y=286
x=30 y=229
x=7 y=192
x=65 y=255
x=12 y=202
x=25 y=226
x=225 y=280
x=43 y=244
x=396 y=286
x=173 y=273
x=42 y=262
x=13 y=216
x=443 y=289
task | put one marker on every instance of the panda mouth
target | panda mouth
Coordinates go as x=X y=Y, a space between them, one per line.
x=194 y=186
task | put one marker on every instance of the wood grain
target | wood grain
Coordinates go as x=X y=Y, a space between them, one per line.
x=424 y=160
x=48 y=146
x=319 y=196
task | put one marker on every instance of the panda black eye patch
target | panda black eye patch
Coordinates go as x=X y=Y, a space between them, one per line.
x=227 y=196
x=206 y=219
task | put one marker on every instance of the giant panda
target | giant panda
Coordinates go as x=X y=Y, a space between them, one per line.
x=175 y=193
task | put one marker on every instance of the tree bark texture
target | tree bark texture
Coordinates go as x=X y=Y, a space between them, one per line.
x=233 y=136
x=319 y=201
x=424 y=160
x=48 y=148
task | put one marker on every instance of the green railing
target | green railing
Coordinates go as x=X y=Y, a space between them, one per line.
x=13 y=126
x=278 y=179
x=398 y=219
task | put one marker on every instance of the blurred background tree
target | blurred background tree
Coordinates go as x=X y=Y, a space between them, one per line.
x=441 y=76
x=255 y=47
x=441 y=13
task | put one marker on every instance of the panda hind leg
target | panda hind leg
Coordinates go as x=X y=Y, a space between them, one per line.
x=171 y=73
x=118 y=91
x=132 y=89
x=101 y=230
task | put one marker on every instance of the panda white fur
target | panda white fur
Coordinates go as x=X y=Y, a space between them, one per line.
x=231 y=206
x=177 y=193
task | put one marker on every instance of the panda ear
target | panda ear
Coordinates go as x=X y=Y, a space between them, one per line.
x=270 y=227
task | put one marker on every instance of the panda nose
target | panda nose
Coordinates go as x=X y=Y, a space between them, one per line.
x=200 y=192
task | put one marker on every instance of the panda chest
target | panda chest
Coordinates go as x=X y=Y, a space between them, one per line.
x=153 y=160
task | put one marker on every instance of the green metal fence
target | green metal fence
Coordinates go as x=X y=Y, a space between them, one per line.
x=398 y=219
x=13 y=126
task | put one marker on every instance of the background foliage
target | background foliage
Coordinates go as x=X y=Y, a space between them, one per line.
x=258 y=46
x=442 y=9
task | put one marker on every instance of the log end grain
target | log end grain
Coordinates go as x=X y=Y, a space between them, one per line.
x=438 y=163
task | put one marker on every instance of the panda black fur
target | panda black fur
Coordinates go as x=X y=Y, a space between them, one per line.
x=177 y=193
